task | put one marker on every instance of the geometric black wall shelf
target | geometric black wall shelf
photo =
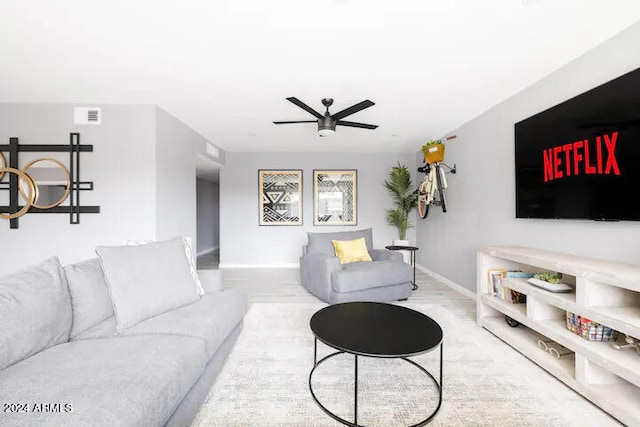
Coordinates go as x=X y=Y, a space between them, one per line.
x=20 y=183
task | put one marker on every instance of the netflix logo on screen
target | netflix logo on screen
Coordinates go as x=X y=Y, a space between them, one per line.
x=596 y=156
x=580 y=159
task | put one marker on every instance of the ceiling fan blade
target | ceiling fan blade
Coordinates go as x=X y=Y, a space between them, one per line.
x=355 y=125
x=295 y=121
x=304 y=106
x=353 y=109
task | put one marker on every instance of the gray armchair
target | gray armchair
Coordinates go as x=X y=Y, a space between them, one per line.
x=386 y=278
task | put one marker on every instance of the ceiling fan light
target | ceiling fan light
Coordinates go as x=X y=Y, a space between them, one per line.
x=326 y=132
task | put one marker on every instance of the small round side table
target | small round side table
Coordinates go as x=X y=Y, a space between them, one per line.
x=411 y=249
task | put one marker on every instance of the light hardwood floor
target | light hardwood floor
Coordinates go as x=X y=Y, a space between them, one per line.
x=283 y=285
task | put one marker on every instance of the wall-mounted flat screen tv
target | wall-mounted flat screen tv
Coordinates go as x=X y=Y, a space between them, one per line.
x=581 y=159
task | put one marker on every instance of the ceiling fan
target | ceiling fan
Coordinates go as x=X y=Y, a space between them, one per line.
x=327 y=123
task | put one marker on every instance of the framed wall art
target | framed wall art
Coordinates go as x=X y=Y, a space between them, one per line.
x=280 y=197
x=335 y=197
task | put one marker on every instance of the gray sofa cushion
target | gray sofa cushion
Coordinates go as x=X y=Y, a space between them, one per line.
x=123 y=381
x=211 y=280
x=358 y=276
x=35 y=311
x=147 y=280
x=385 y=254
x=90 y=298
x=210 y=319
x=321 y=242
x=105 y=329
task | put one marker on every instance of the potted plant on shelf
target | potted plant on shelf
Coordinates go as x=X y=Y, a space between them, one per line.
x=405 y=198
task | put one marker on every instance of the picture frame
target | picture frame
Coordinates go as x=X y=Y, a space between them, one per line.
x=494 y=276
x=280 y=196
x=335 y=198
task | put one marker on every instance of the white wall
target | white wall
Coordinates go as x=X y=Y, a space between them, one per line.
x=244 y=242
x=176 y=149
x=481 y=209
x=208 y=212
x=143 y=169
x=119 y=166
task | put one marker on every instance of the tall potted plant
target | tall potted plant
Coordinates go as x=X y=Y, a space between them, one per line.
x=405 y=198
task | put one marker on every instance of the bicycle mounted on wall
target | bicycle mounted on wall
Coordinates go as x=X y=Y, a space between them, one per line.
x=435 y=177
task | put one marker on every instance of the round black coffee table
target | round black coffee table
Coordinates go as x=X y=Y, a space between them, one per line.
x=374 y=329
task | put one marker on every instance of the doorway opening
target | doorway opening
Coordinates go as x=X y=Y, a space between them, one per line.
x=207 y=214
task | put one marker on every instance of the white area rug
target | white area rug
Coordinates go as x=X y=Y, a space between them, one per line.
x=486 y=382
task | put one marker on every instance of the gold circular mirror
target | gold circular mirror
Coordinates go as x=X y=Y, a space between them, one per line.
x=28 y=199
x=3 y=164
x=52 y=182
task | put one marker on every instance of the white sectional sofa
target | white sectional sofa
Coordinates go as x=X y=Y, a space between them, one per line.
x=84 y=345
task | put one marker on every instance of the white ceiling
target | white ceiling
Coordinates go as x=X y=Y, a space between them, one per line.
x=226 y=67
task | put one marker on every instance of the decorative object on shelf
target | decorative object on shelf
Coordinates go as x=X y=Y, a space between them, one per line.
x=44 y=184
x=551 y=287
x=518 y=274
x=629 y=342
x=494 y=279
x=335 y=197
x=511 y=322
x=280 y=197
x=405 y=198
x=499 y=290
x=549 y=277
x=549 y=281
x=553 y=348
x=588 y=329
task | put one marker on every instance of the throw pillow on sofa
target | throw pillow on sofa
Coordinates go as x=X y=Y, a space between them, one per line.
x=188 y=252
x=147 y=280
x=349 y=251
x=35 y=311
x=90 y=300
x=321 y=242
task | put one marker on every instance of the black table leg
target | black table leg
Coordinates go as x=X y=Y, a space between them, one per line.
x=355 y=393
x=438 y=385
x=413 y=264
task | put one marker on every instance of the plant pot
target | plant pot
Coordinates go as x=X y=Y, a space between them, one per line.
x=398 y=242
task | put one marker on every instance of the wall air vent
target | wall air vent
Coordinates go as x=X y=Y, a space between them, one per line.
x=212 y=150
x=87 y=115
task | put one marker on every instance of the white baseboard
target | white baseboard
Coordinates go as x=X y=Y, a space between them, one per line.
x=464 y=291
x=208 y=251
x=233 y=265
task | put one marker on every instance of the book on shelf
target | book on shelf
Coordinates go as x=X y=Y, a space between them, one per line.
x=494 y=279
x=517 y=274
x=499 y=290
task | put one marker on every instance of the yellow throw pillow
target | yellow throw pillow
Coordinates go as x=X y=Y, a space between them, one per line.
x=351 y=250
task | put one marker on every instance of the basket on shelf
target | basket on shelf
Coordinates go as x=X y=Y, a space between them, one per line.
x=433 y=153
x=590 y=330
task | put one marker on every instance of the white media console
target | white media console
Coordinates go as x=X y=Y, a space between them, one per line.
x=605 y=292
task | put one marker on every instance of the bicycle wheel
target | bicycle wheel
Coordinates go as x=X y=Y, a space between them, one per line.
x=423 y=206
x=440 y=183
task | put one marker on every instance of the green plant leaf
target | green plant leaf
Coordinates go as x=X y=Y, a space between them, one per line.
x=548 y=276
x=405 y=198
